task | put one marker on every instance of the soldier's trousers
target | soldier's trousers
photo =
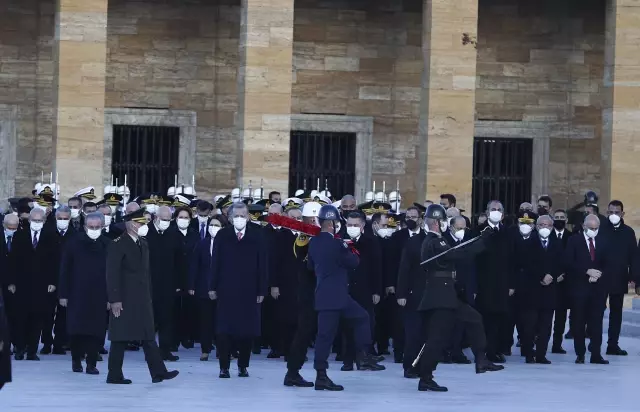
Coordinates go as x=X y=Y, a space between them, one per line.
x=414 y=336
x=439 y=325
x=328 y=321
x=151 y=354
x=349 y=353
x=307 y=328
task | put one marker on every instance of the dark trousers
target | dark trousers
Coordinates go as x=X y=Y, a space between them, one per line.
x=413 y=336
x=85 y=345
x=455 y=344
x=328 y=321
x=269 y=325
x=439 y=325
x=513 y=324
x=348 y=336
x=61 y=337
x=242 y=345
x=615 y=318
x=559 y=326
x=151 y=354
x=305 y=331
x=497 y=327
x=186 y=322
x=287 y=332
x=535 y=323
x=163 y=315
x=588 y=310
x=49 y=319
x=384 y=312
x=28 y=327
x=207 y=326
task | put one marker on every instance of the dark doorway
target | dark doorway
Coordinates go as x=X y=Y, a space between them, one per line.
x=501 y=171
x=327 y=156
x=148 y=155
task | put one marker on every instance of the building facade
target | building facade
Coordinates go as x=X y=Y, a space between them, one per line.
x=480 y=98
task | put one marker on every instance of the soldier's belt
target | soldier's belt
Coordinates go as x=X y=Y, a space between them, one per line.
x=441 y=274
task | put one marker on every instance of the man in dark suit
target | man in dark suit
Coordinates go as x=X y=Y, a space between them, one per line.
x=239 y=281
x=5 y=346
x=331 y=259
x=586 y=263
x=129 y=294
x=448 y=200
x=11 y=224
x=563 y=300
x=621 y=240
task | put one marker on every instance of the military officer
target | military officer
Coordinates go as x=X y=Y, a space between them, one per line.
x=441 y=305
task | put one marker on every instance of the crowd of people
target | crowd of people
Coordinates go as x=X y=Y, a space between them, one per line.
x=418 y=284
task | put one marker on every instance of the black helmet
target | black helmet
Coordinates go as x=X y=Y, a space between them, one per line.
x=328 y=212
x=435 y=211
x=591 y=198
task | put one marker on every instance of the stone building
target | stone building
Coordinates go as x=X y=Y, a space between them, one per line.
x=480 y=98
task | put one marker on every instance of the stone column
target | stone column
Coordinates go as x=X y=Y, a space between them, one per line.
x=264 y=92
x=79 y=85
x=448 y=99
x=621 y=111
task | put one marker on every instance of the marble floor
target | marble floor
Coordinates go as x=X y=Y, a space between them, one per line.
x=563 y=386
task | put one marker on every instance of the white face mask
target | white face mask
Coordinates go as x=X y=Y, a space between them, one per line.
x=202 y=219
x=459 y=234
x=525 y=229
x=114 y=209
x=9 y=232
x=338 y=227
x=143 y=230
x=75 y=213
x=107 y=220
x=183 y=223
x=385 y=233
x=495 y=216
x=62 y=224
x=213 y=230
x=544 y=232
x=151 y=209
x=353 y=232
x=239 y=223
x=614 y=219
x=592 y=233
x=444 y=225
x=125 y=199
x=93 y=234
x=163 y=225
x=36 y=226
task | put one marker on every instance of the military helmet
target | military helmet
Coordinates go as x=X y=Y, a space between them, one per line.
x=328 y=212
x=435 y=211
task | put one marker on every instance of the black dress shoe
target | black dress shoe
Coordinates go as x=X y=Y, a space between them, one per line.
x=19 y=355
x=46 y=350
x=559 y=350
x=76 y=366
x=580 y=360
x=293 y=379
x=430 y=385
x=446 y=359
x=119 y=381
x=599 y=360
x=33 y=357
x=92 y=370
x=507 y=352
x=188 y=344
x=58 y=351
x=273 y=355
x=347 y=367
x=168 y=375
x=409 y=374
x=133 y=347
x=103 y=351
x=543 y=361
x=496 y=358
x=461 y=359
x=488 y=367
x=368 y=363
x=243 y=373
x=224 y=374
x=377 y=358
x=530 y=359
x=170 y=357
x=616 y=351
x=323 y=383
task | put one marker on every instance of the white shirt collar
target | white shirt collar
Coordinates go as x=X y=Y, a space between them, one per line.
x=183 y=231
x=135 y=239
x=587 y=238
x=559 y=232
x=493 y=225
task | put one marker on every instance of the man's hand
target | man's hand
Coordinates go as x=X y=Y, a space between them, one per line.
x=108 y=306
x=511 y=292
x=64 y=302
x=402 y=302
x=593 y=279
x=548 y=279
x=213 y=295
x=376 y=299
x=390 y=290
x=260 y=299
x=594 y=273
x=12 y=289
x=275 y=293
x=192 y=292
x=116 y=308
x=178 y=290
x=560 y=278
x=51 y=288
x=1 y=345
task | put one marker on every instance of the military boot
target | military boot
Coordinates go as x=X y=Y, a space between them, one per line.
x=323 y=383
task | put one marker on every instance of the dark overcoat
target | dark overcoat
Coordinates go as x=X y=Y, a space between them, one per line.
x=239 y=276
x=366 y=279
x=128 y=282
x=200 y=274
x=411 y=277
x=188 y=243
x=165 y=260
x=563 y=299
x=5 y=354
x=83 y=283
x=621 y=242
x=493 y=272
x=285 y=277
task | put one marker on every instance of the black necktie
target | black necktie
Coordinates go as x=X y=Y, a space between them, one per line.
x=9 y=238
x=544 y=244
x=62 y=233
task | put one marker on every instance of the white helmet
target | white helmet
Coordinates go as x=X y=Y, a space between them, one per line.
x=171 y=191
x=311 y=209
x=108 y=189
x=326 y=194
x=188 y=190
x=258 y=194
x=368 y=197
x=246 y=194
x=235 y=194
x=380 y=197
x=216 y=198
x=314 y=193
x=124 y=191
x=299 y=192
x=37 y=187
x=395 y=198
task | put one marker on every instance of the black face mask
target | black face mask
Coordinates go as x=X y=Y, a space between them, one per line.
x=559 y=224
x=542 y=211
x=411 y=224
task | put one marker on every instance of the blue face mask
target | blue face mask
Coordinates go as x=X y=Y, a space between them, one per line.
x=8 y=232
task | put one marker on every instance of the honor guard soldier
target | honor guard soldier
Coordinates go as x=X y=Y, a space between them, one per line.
x=441 y=305
x=331 y=259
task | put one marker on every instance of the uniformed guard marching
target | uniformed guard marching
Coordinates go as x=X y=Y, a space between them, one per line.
x=441 y=304
x=331 y=260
